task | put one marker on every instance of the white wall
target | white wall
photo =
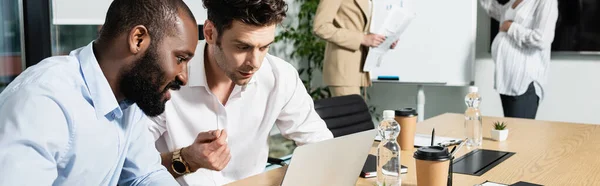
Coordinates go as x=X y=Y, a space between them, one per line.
x=572 y=95
x=93 y=12
x=573 y=90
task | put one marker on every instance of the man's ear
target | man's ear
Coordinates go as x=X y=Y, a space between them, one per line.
x=210 y=32
x=138 y=40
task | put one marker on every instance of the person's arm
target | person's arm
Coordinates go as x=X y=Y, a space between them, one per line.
x=142 y=164
x=298 y=119
x=34 y=136
x=541 y=35
x=157 y=125
x=394 y=44
x=209 y=150
x=166 y=161
x=324 y=28
x=494 y=9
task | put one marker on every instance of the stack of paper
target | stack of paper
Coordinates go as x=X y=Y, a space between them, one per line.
x=395 y=20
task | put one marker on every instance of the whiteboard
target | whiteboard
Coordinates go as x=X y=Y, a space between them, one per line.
x=93 y=12
x=437 y=47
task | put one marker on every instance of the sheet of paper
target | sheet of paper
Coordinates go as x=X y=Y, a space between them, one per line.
x=389 y=20
x=381 y=10
x=487 y=183
x=422 y=140
x=374 y=59
x=425 y=140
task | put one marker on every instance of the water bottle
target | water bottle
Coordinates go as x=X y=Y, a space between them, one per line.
x=473 y=124
x=388 y=151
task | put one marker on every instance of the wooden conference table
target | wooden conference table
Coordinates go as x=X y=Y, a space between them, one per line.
x=547 y=153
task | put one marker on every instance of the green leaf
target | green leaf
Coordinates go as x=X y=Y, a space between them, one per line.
x=308 y=49
x=499 y=125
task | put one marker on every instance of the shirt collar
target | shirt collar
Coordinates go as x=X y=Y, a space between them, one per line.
x=103 y=98
x=197 y=72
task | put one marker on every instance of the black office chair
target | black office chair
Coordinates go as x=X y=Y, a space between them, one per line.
x=343 y=115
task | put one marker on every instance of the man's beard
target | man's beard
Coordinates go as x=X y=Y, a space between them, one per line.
x=141 y=84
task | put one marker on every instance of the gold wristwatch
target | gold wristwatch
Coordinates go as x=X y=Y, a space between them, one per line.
x=179 y=165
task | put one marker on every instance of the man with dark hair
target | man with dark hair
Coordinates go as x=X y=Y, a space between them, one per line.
x=78 y=119
x=235 y=86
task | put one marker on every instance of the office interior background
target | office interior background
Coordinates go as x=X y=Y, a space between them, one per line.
x=572 y=91
x=28 y=35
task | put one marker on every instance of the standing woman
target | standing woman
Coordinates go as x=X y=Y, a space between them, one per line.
x=344 y=24
x=521 y=52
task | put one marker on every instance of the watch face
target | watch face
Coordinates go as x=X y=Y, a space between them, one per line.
x=178 y=167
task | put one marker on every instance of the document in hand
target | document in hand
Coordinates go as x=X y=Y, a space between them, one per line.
x=395 y=20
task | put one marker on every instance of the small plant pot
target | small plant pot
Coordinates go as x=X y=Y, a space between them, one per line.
x=499 y=135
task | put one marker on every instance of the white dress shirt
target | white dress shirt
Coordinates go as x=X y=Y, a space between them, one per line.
x=522 y=55
x=274 y=96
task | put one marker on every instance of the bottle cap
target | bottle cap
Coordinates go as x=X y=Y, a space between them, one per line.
x=389 y=114
x=473 y=89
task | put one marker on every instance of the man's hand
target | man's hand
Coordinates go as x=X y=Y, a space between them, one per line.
x=209 y=151
x=372 y=40
x=394 y=44
x=505 y=26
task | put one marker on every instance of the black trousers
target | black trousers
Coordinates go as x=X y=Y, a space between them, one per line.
x=522 y=106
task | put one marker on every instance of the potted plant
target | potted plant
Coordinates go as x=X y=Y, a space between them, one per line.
x=500 y=132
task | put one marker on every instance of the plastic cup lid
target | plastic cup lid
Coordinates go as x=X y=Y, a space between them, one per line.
x=406 y=112
x=432 y=153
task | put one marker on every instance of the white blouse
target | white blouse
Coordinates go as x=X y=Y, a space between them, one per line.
x=522 y=55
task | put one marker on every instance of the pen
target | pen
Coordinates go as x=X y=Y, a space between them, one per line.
x=432 y=136
x=454 y=150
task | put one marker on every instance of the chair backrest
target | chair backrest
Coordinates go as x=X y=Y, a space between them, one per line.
x=345 y=114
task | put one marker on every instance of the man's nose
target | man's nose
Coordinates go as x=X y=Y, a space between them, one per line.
x=183 y=75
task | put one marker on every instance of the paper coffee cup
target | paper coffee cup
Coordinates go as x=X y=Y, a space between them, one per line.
x=432 y=164
x=407 y=118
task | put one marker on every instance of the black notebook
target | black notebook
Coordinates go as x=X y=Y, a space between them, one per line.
x=479 y=161
x=522 y=183
x=370 y=168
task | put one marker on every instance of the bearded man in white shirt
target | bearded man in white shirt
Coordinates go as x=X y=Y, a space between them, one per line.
x=215 y=129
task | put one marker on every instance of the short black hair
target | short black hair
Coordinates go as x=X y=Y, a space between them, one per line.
x=158 y=16
x=253 y=12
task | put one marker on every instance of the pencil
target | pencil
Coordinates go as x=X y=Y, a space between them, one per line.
x=432 y=136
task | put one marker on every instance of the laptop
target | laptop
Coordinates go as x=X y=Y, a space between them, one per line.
x=337 y=161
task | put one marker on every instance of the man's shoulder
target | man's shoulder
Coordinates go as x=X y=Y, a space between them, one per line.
x=51 y=70
x=279 y=76
x=54 y=76
x=281 y=68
